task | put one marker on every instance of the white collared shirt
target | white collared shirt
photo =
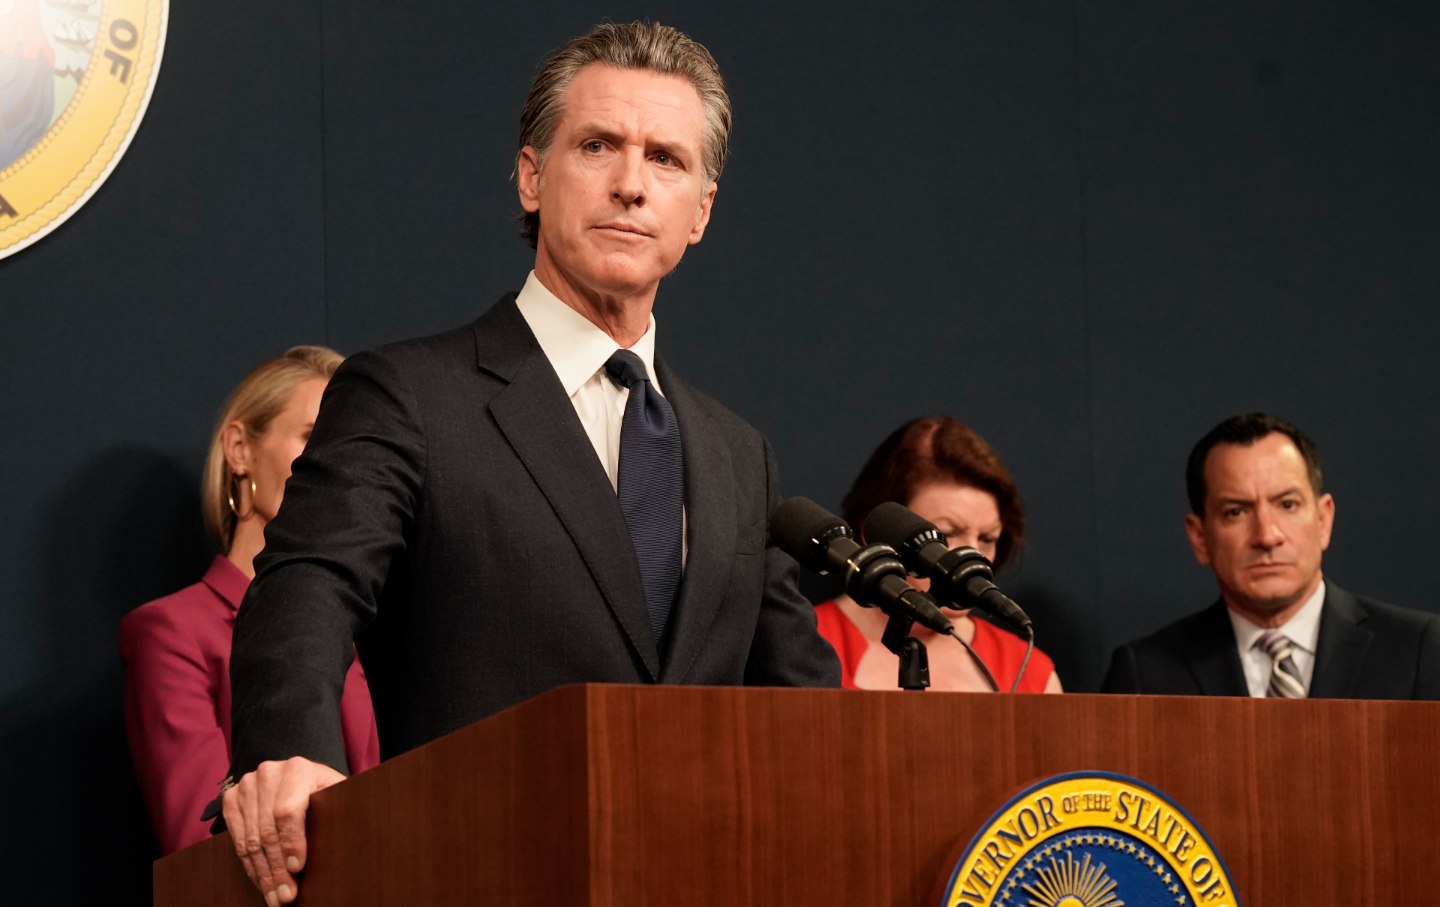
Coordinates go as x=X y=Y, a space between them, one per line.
x=1303 y=631
x=578 y=351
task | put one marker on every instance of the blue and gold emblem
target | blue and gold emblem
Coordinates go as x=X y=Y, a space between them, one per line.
x=75 y=79
x=1090 y=840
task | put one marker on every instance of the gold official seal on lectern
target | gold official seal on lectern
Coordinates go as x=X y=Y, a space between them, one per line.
x=75 y=79
x=1089 y=840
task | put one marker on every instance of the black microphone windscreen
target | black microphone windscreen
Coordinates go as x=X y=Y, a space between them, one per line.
x=895 y=525
x=802 y=529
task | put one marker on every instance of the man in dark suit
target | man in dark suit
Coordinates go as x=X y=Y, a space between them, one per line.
x=1260 y=521
x=456 y=511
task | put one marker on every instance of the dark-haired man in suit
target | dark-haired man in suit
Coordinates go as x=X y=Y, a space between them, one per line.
x=534 y=499
x=1260 y=520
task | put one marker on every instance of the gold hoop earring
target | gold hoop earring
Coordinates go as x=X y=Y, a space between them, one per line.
x=232 y=491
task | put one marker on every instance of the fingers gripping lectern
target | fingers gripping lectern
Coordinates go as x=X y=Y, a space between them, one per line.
x=627 y=796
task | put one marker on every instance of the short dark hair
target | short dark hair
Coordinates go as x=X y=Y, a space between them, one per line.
x=936 y=449
x=1245 y=430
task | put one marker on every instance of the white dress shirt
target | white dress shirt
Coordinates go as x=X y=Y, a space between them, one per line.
x=1303 y=631
x=578 y=351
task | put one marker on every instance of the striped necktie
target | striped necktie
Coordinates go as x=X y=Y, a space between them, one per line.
x=1285 y=682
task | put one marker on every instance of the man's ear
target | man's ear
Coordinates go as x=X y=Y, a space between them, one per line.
x=1195 y=531
x=1325 y=508
x=702 y=216
x=527 y=178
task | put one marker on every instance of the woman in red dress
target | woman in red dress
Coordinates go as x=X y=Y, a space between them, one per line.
x=948 y=475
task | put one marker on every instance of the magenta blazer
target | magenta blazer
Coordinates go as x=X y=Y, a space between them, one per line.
x=177 y=702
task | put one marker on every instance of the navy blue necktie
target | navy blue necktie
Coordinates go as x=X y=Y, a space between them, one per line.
x=651 y=486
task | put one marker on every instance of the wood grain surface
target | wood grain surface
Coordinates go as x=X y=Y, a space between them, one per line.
x=626 y=796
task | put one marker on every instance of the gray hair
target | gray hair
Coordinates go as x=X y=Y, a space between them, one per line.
x=637 y=45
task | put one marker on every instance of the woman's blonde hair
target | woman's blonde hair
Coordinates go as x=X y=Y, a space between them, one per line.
x=254 y=403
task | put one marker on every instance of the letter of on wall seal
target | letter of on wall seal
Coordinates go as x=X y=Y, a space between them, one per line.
x=75 y=78
x=1089 y=839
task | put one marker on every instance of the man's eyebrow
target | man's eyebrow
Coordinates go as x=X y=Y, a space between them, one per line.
x=1232 y=499
x=669 y=142
x=1285 y=493
x=609 y=132
x=597 y=130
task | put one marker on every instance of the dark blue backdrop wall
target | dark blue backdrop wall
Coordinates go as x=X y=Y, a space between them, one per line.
x=1089 y=230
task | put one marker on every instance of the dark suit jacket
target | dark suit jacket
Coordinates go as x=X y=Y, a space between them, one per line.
x=450 y=514
x=1366 y=650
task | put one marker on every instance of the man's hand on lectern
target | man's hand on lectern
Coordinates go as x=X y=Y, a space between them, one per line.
x=265 y=812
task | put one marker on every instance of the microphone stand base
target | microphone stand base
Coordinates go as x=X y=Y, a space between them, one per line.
x=914 y=660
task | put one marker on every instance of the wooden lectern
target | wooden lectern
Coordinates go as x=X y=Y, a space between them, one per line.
x=628 y=796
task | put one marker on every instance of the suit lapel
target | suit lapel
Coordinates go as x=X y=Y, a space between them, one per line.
x=710 y=525
x=540 y=424
x=1340 y=649
x=1213 y=660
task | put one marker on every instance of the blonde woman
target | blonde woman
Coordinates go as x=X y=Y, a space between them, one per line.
x=177 y=649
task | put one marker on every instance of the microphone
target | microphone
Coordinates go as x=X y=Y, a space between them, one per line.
x=962 y=578
x=873 y=575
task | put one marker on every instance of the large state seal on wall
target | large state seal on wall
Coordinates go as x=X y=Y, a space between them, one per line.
x=1089 y=839
x=75 y=78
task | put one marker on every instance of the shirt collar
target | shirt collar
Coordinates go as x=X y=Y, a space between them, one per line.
x=1303 y=630
x=576 y=348
x=227 y=581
